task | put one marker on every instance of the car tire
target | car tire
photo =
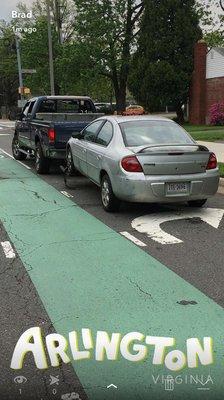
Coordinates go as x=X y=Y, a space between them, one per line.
x=109 y=201
x=197 y=203
x=42 y=164
x=70 y=168
x=15 y=150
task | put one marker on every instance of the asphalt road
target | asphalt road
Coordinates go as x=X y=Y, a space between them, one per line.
x=198 y=259
x=21 y=309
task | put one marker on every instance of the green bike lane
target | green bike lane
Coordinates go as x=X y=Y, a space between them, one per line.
x=88 y=276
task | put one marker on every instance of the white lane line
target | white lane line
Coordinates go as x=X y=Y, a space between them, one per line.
x=5 y=134
x=133 y=239
x=66 y=193
x=8 y=250
x=4 y=126
x=150 y=224
x=9 y=155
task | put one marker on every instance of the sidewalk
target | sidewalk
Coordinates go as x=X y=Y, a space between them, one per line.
x=217 y=148
x=6 y=123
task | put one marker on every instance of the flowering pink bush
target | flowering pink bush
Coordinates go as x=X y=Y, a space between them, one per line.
x=217 y=114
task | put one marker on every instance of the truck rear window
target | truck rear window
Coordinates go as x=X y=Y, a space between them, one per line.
x=66 y=106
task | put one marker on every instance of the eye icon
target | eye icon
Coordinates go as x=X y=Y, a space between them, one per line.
x=20 y=379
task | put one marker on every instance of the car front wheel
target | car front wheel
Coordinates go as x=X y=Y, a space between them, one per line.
x=196 y=203
x=109 y=201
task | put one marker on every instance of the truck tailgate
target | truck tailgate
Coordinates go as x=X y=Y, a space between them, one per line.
x=64 y=131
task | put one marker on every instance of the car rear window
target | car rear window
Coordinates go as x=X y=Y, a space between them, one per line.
x=140 y=133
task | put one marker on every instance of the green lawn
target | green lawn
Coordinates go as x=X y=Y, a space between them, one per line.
x=206 y=133
x=221 y=169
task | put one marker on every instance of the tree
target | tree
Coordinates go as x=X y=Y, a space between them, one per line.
x=9 y=82
x=107 y=30
x=163 y=63
x=212 y=22
x=72 y=66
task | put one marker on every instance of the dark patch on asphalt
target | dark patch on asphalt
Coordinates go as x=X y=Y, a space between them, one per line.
x=21 y=309
x=187 y=302
x=195 y=220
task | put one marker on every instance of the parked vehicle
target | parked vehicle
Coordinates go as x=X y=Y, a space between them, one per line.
x=143 y=159
x=134 y=110
x=106 y=108
x=46 y=124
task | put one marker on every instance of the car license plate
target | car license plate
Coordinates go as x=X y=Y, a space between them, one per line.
x=177 y=187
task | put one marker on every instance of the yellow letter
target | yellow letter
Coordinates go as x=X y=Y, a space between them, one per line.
x=160 y=344
x=195 y=352
x=139 y=348
x=24 y=346
x=87 y=341
x=57 y=346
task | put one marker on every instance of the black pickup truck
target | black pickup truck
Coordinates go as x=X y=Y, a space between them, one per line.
x=46 y=124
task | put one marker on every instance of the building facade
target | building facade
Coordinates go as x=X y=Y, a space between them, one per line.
x=207 y=86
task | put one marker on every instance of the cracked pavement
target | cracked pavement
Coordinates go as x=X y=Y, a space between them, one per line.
x=73 y=271
x=21 y=309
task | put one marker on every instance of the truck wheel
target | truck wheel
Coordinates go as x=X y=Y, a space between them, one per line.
x=42 y=164
x=15 y=150
x=196 y=203
x=109 y=201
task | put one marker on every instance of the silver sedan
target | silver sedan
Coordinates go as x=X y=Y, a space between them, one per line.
x=143 y=159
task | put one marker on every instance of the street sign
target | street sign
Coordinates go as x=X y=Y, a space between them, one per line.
x=150 y=224
x=21 y=103
x=29 y=71
x=26 y=90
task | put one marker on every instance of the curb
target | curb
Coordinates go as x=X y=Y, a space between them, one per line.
x=221 y=182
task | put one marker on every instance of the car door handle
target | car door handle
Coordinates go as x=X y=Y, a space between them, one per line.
x=99 y=157
x=84 y=150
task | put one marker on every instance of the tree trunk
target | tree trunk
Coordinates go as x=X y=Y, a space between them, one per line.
x=180 y=114
x=121 y=100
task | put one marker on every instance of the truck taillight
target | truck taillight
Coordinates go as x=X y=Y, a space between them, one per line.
x=131 y=164
x=51 y=134
x=212 y=162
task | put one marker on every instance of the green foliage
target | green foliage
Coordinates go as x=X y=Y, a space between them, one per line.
x=163 y=63
x=107 y=31
x=34 y=55
x=8 y=67
x=221 y=169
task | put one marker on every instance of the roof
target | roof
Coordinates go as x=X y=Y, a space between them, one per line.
x=120 y=118
x=63 y=97
x=219 y=50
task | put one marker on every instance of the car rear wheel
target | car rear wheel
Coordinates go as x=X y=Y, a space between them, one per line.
x=17 y=154
x=42 y=164
x=196 y=203
x=109 y=201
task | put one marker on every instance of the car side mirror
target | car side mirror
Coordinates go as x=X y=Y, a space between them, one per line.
x=77 y=135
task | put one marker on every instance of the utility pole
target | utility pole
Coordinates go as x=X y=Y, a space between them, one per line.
x=19 y=67
x=50 y=50
x=58 y=20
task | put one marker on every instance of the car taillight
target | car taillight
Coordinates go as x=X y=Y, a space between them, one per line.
x=212 y=162
x=131 y=164
x=51 y=134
